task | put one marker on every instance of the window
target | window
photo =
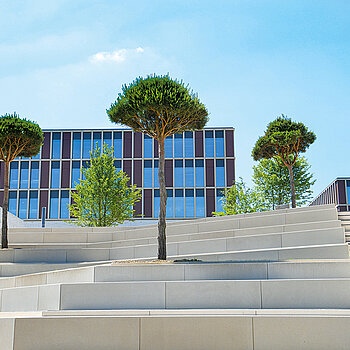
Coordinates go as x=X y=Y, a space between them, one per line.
x=348 y=190
x=76 y=154
x=64 y=213
x=147 y=146
x=220 y=173
x=86 y=144
x=188 y=144
x=156 y=203
x=200 y=203
x=179 y=173
x=189 y=173
x=179 y=203
x=33 y=204
x=169 y=147
x=97 y=140
x=199 y=173
x=86 y=164
x=75 y=173
x=13 y=202
x=179 y=145
x=219 y=143
x=118 y=165
x=118 y=144
x=147 y=173
x=209 y=143
x=155 y=174
x=170 y=204
x=54 y=205
x=36 y=157
x=55 y=174
x=22 y=208
x=24 y=178
x=220 y=193
x=14 y=175
x=34 y=175
x=189 y=203
x=56 y=145
x=107 y=139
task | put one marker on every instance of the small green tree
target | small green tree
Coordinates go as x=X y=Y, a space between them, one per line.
x=18 y=138
x=240 y=199
x=159 y=107
x=285 y=140
x=271 y=180
x=103 y=197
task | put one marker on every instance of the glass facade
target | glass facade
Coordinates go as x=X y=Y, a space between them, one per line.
x=196 y=163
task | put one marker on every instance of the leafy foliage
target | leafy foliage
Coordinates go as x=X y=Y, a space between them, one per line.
x=19 y=137
x=240 y=199
x=103 y=198
x=271 y=180
x=284 y=139
x=159 y=107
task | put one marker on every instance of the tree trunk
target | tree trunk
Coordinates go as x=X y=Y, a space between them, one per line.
x=162 y=206
x=5 y=207
x=292 y=187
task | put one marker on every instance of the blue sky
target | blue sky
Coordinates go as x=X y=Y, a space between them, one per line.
x=62 y=63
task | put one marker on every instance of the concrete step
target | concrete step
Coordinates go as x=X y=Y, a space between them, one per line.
x=172 y=238
x=246 y=221
x=186 y=271
x=285 y=330
x=223 y=294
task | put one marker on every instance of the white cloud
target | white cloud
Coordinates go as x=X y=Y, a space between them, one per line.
x=116 y=56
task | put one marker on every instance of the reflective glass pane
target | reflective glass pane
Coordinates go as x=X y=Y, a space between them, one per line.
x=86 y=144
x=219 y=143
x=147 y=173
x=54 y=205
x=86 y=164
x=348 y=190
x=107 y=138
x=33 y=204
x=36 y=157
x=14 y=175
x=169 y=147
x=189 y=203
x=179 y=145
x=22 y=207
x=64 y=212
x=75 y=173
x=189 y=173
x=188 y=144
x=34 y=175
x=220 y=193
x=76 y=154
x=155 y=174
x=24 y=178
x=179 y=173
x=179 y=203
x=13 y=202
x=170 y=204
x=118 y=144
x=147 y=146
x=200 y=203
x=199 y=173
x=118 y=165
x=209 y=143
x=97 y=140
x=56 y=145
x=55 y=174
x=156 y=203
x=220 y=173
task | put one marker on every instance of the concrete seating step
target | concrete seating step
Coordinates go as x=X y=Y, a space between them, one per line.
x=222 y=294
x=185 y=271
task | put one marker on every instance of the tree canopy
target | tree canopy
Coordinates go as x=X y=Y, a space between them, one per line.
x=19 y=137
x=103 y=197
x=271 y=180
x=284 y=139
x=159 y=106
